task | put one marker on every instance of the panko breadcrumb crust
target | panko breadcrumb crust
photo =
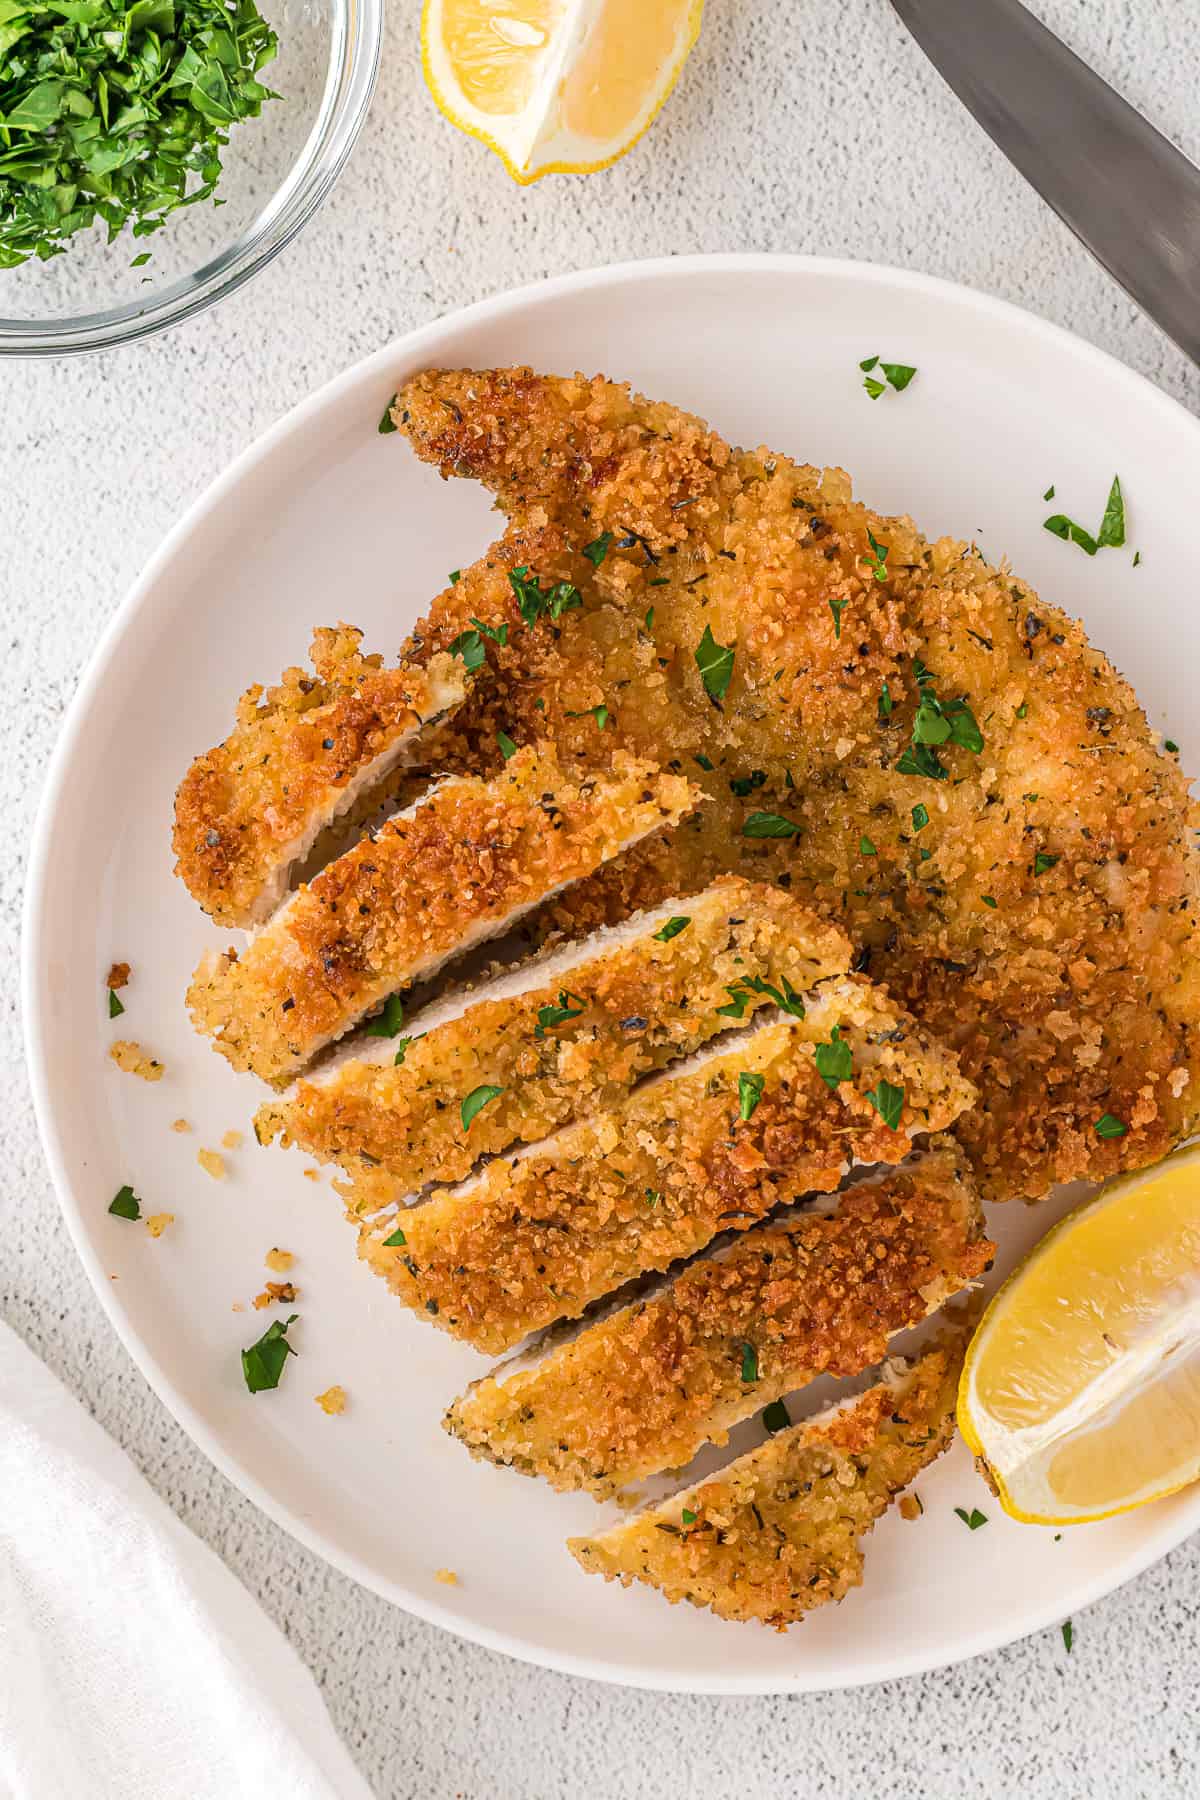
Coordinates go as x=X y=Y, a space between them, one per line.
x=539 y=1237
x=776 y=1533
x=459 y=867
x=643 y=1390
x=292 y=763
x=1042 y=919
x=630 y=1008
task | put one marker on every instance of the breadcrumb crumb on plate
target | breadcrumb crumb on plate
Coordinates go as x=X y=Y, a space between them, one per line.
x=157 y=1223
x=212 y=1162
x=332 y=1401
x=133 y=1060
x=279 y=1260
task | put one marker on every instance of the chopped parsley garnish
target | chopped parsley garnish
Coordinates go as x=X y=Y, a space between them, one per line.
x=387 y=424
x=115 y=1008
x=262 y=1363
x=1043 y=861
x=988 y=899
x=475 y=1102
x=1049 y=493
x=1109 y=1126
x=886 y=702
x=837 y=608
x=550 y=1016
x=1169 y=745
x=649 y=621
x=973 y=1519
x=455 y=577
x=874 y=388
x=388 y=1022
x=1068 y=1635
x=1137 y=559
x=868 y=363
x=878 y=558
x=896 y=375
x=125 y=1204
x=507 y=747
x=749 y=1363
x=117 y=114
x=1111 y=535
x=597 y=550
x=600 y=713
x=535 y=601
x=744 y=785
x=750 y=1092
x=497 y=633
x=776 y=1417
x=469 y=645
x=715 y=663
x=688 y=1517
x=1023 y=710
x=769 y=825
x=402 y=1052
x=866 y=847
x=705 y=763
x=834 y=1060
x=937 y=722
x=397 y=1240
x=672 y=928
x=653 y=1197
x=888 y=1102
x=784 y=996
x=920 y=817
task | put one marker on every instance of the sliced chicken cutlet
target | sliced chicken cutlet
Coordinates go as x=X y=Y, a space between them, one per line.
x=461 y=866
x=301 y=756
x=713 y=1147
x=776 y=1533
x=818 y=1294
x=566 y=1034
x=951 y=770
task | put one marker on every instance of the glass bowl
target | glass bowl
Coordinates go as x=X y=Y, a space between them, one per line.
x=278 y=169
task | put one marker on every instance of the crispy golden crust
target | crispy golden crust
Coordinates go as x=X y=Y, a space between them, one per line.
x=632 y=1007
x=644 y=1389
x=1075 y=993
x=452 y=871
x=247 y=811
x=775 y=1534
x=540 y=1237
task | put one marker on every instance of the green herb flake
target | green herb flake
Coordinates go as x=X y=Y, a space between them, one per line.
x=750 y=1092
x=1059 y=526
x=898 y=375
x=1043 y=861
x=497 y=633
x=475 y=1102
x=878 y=558
x=1112 y=526
x=535 y=602
x=387 y=424
x=688 y=1517
x=600 y=713
x=1068 y=1635
x=1049 y=493
x=920 y=817
x=776 y=1417
x=402 y=1052
x=387 y=1023
x=834 y=1060
x=1137 y=559
x=551 y=1016
x=1170 y=746
x=769 y=825
x=649 y=618
x=704 y=763
x=837 y=608
x=973 y=1519
x=653 y=1197
x=866 y=847
x=598 y=549
x=874 y=388
x=1023 y=710
x=469 y=645
x=715 y=663
x=507 y=748
x=867 y=364
x=1109 y=1126
x=397 y=1240
x=886 y=703
x=672 y=928
x=749 y=1363
x=988 y=900
x=263 y=1362
x=888 y=1102
x=125 y=1204
x=115 y=1008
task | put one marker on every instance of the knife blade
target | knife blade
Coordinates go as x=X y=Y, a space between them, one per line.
x=1121 y=186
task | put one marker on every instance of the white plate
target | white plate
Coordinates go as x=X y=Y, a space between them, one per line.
x=324 y=519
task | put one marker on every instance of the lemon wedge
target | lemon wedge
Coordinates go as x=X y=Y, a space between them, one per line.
x=1080 y=1392
x=566 y=85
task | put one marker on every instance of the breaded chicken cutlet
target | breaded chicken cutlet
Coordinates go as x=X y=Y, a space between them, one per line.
x=461 y=866
x=711 y=1147
x=562 y=1035
x=914 y=741
x=817 y=1294
x=248 y=812
x=776 y=1533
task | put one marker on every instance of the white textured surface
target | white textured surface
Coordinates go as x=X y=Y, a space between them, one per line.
x=809 y=125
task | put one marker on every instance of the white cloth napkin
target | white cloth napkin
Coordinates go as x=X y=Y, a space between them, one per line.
x=133 y=1665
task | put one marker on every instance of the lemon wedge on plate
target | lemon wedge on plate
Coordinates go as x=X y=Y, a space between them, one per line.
x=566 y=85
x=1080 y=1393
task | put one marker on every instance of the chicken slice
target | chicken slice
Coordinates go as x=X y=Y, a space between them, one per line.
x=461 y=866
x=815 y=1294
x=562 y=1035
x=712 y=1147
x=776 y=1533
x=248 y=813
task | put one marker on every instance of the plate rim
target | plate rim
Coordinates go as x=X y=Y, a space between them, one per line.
x=1179 y=1523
